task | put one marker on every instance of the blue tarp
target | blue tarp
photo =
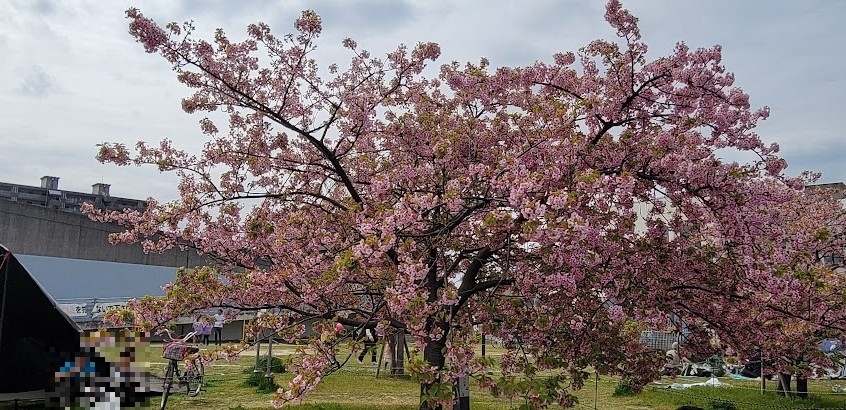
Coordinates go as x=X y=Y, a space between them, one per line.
x=832 y=346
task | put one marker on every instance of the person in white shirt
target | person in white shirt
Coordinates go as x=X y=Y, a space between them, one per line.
x=218 y=327
x=369 y=337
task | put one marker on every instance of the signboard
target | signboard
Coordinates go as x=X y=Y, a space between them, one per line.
x=101 y=308
x=464 y=386
x=462 y=392
x=88 y=310
x=91 y=311
x=74 y=310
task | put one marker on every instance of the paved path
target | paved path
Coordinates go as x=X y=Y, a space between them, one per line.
x=156 y=385
x=23 y=397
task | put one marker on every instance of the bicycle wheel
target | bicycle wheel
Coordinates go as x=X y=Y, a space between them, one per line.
x=168 y=382
x=194 y=378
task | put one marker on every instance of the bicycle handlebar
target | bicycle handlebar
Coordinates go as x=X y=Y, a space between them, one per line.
x=185 y=338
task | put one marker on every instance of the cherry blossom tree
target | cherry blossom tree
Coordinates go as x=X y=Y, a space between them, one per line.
x=559 y=206
x=801 y=303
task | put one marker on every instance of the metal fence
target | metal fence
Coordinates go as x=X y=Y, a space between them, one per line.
x=659 y=340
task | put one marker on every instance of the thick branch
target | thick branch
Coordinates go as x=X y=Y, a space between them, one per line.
x=259 y=106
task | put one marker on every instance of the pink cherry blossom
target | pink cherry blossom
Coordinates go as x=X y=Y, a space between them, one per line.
x=563 y=207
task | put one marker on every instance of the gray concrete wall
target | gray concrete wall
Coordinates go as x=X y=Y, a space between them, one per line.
x=33 y=230
x=232 y=331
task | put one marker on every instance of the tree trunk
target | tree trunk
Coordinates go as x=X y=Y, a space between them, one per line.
x=802 y=387
x=784 y=381
x=801 y=380
x=433 y=354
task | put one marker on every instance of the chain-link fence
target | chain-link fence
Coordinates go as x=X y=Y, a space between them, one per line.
x=659 y=340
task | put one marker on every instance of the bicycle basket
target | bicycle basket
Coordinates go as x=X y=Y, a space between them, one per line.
x=175 y=351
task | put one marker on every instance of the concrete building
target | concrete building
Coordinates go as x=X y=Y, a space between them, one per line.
x=49 y=195
x=39 y=231
x=84 y=290
x=69 y=255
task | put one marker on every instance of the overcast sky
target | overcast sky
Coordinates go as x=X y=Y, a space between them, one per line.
x=72 y=77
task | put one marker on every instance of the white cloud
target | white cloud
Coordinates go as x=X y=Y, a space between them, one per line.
x=36 y=82
x=785 y=54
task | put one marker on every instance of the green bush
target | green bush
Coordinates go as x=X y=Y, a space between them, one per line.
x=261 y=383
x=254 y=379
x=277 y=365
x=623 y=389
x=721 y=405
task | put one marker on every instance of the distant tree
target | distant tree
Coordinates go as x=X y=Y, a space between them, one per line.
x=787 y=314
x=560 y=206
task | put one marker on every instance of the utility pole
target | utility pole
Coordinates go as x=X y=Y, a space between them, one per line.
x=763 y=379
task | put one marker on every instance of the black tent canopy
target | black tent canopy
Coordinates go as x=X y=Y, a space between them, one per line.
x=36 y=336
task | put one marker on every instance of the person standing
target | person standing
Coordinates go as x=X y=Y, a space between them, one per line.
x=206 y=330
x=198 y=328
x=218 y=327
x=369 y=344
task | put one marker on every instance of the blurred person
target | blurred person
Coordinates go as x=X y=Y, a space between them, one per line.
x=676 y=362
x=219 y=318
x=369 y=338
x=206 y=330
x=198 y=327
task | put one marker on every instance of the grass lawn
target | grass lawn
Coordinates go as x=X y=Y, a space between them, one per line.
x=356 y=387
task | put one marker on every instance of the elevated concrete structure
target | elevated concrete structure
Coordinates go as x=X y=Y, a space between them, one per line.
x=34 y=230
x=49 y=195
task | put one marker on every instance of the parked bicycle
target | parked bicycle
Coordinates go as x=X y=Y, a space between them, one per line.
x=192 y=378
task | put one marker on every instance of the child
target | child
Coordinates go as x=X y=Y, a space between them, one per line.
x=206 y=331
